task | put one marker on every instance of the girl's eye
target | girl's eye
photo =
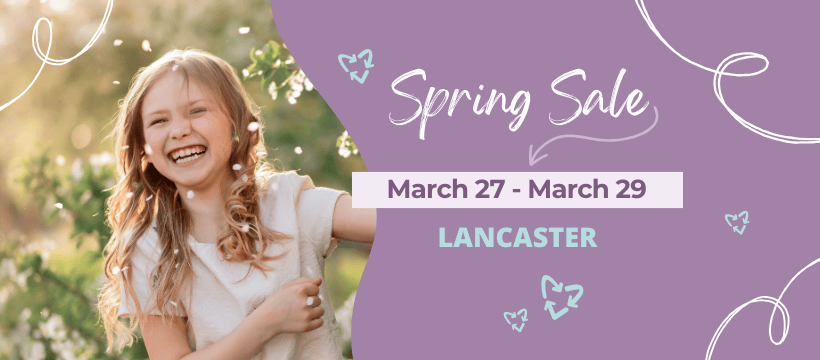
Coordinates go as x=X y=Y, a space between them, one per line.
x=157 y=121
x=198 y=110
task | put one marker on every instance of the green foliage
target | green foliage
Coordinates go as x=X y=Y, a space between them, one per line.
x=51 y=313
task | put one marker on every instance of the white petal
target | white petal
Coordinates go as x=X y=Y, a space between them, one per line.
x=298 y=150
x=190 y=194
x=245 y=228
x=148 y=149
x=237 y=167
x=116 y=82
x=115 y=270
x=146 y=45
x=253 y=126
x=58 y=205
x=125 y=147
x=175 y=67
x=149 y=198
x=244 y=30
x=117 y=42
x=244 y=178
x=129 y=195
x=176 y=251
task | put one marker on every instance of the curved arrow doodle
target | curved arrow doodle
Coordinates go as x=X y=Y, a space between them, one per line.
x=572 y=302
x=368 y=63
x=523 y=317
x=351 y=59
x=555 y=315
x=746 y=218
x=556 y=286
x=534 y=158
x=734 y=217
x=353 y=76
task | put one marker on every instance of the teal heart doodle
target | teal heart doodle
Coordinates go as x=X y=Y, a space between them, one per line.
x=559 y=287
x=368 y=63
x=509 y=315
x=743 y=216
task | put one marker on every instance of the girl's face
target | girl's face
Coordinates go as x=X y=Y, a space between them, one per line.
x=189 y=135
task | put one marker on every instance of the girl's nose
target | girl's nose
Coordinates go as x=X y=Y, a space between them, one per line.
x=181 y=128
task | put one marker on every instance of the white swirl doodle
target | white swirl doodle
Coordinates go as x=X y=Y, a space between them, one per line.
x=35 y=44
x=778 y=305
x=719 y=73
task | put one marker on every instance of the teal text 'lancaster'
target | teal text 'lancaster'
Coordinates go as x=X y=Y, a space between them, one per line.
x=508 y=237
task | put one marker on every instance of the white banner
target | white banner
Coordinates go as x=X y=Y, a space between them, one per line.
x=518 y=190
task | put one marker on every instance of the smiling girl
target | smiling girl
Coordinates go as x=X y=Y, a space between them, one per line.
x=214 y=255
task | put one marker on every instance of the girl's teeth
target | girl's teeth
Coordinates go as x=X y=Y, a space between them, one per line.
x=182 y=161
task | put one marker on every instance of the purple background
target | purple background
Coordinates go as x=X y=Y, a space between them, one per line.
x=661 y=280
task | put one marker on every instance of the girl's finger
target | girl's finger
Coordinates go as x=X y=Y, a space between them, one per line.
x=315 y=324
x=317 y=312
x=314 y=301
x=311 y=290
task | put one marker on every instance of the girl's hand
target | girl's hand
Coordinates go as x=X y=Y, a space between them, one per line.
x=294 y=308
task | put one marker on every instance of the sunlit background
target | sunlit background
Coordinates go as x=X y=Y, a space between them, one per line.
x=54 y=147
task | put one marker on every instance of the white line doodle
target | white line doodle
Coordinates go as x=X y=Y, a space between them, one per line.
x=719 y=73
x=35 y=44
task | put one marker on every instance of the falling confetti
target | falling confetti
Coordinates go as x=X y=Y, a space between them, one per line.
x=190 y=194
x=149 y=197
x=115 y=270
x=176 y=251
x=237 y=167
x=58 y=205
x=117 y=42
x=146 y=45
x=244 y=30
x=116 y=82
x=253 y=126
x=298 y=150
x=175 y=68
x=148 y=150
x=129 y=195
x=125 y=147
x=245 y=228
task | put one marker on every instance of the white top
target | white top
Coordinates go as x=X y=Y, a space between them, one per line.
x=220 y=301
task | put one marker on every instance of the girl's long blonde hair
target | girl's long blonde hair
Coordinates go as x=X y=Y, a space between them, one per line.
x=155 y=197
